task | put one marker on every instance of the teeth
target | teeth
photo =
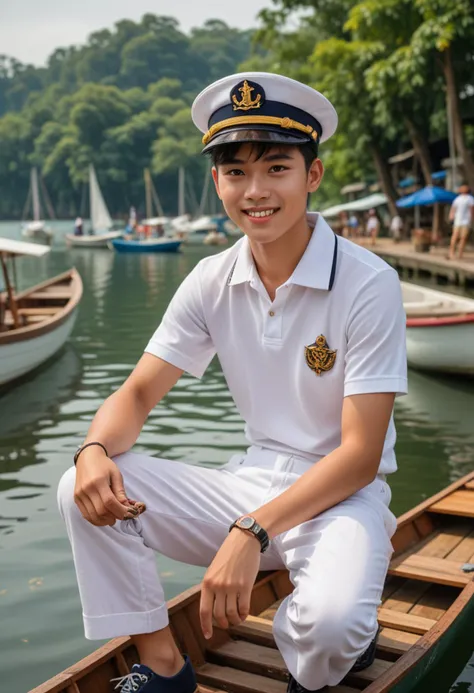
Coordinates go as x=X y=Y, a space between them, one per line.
x=265 y=213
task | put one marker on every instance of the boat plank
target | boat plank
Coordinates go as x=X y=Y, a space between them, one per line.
x=255 y=629
x=470 y=485
x=406 y=596
x=247 y=656
x=356 y=678
x=445 y=540
x=262 y=598
x=409 y=622
x=395 y=642
x=42 y=310
x=437 y=570
x=435 y=602
x=457 y=503
x=56 y=295
x=238 y=681
x=464 y=551
x=271 y=611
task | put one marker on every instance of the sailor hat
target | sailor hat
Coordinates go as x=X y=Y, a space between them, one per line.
x=262 y=107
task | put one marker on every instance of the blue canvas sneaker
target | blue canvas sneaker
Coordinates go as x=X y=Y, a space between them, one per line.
x=142 y=679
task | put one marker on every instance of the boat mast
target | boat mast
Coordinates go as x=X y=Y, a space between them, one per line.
x=10 y=293
x=205 y=191
x=35 y=193
x=181 y=206
x=147 y=177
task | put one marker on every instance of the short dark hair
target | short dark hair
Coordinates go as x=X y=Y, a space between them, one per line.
x=225 y=153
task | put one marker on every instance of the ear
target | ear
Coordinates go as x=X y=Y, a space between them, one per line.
x=215 y=178
x=315 y=175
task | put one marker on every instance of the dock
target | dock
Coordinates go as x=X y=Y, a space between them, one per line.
x=433 y=264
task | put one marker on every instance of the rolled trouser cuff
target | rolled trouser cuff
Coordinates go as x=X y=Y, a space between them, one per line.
x=133 y=623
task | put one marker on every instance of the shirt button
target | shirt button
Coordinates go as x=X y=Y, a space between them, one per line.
x=271 y=313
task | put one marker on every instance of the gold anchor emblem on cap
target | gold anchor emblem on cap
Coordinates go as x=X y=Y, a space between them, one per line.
x=319 y=356
x=246 y=102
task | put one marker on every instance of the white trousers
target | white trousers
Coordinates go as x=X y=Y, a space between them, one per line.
x=337 y=561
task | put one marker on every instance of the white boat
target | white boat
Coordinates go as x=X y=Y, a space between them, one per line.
x=35 y=323
x=440 y=330
x=100 y=219
x=37 y=229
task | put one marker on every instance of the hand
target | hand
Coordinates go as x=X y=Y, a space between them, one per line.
x=228 y=582
x=99 y=491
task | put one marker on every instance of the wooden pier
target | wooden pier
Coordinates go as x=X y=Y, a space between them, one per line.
x=433 y=264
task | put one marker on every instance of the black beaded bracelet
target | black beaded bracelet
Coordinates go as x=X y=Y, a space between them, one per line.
x=83 y=447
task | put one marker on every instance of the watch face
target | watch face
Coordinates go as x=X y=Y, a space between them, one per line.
x=246 y=522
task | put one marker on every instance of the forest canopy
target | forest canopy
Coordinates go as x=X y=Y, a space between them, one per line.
x=122 y=102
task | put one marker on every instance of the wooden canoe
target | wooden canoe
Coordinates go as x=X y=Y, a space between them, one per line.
x=45 y=316
x=426 y=602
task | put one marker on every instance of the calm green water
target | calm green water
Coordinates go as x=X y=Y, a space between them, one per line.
x=43 y=420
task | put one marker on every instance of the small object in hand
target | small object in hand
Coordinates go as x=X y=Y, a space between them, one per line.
x=468 y=568
x=136 y=507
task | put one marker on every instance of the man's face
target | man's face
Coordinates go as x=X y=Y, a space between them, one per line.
x=266 y=197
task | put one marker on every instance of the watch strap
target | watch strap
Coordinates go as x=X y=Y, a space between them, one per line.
x=257 y=530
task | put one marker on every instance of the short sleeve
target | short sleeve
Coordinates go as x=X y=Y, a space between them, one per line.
x=376 y=341
x=182 y=338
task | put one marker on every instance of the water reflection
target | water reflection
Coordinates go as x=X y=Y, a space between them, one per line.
x=43 y=419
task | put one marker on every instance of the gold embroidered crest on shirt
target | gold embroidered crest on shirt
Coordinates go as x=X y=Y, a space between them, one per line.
x=319 y=356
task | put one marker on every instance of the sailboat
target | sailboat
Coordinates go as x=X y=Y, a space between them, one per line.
x=100 y=219
x=36 y=229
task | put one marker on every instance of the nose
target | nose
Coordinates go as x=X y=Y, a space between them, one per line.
x=256 y=189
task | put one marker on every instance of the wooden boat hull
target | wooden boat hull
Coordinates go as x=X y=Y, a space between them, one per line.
x=49 y=312
x=101 y=240
x=150 y=246
x=428 y=604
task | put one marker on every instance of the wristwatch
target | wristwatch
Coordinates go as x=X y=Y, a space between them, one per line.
x=250 y=524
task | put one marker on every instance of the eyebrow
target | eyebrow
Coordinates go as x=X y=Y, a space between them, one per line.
x=269 y=157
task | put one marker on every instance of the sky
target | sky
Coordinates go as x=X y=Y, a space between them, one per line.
x=32 y=29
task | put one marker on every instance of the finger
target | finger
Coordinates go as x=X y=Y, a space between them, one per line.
x=205 y=611
x=116 y=484
x=231 y=610
x=91 y=514
x=105 y=517
x=82 y=508
x=243 y=603
x=112 y=506
x=220 y=610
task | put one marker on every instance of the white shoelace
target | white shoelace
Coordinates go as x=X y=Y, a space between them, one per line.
x=130 y=683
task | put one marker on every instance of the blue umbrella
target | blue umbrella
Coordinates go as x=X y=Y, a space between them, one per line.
x=427 y=196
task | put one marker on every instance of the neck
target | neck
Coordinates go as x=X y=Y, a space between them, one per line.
x=276 y=261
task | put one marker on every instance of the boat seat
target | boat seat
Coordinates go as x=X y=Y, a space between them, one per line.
x=44 y=310
x=56 y=295
x=440 y=571
x=457 y=503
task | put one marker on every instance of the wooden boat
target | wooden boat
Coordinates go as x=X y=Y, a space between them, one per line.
x=440 y=330
x=151 y=245
x=35 y=323
x=427 y=606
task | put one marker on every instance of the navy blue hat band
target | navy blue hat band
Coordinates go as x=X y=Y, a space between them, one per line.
x=280 y=115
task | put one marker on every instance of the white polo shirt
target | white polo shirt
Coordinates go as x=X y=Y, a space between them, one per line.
x=339 y=291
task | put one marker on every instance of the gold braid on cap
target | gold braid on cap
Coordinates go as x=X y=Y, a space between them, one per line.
x=286 y=123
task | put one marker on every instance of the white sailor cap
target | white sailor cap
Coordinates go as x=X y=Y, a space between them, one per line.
x=262 y=107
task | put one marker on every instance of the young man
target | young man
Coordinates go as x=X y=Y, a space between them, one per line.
x=462 y=214
x=310 y=333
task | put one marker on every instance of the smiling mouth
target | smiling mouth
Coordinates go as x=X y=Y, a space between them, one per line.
x=260 y=213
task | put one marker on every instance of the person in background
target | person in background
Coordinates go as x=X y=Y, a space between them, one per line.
x=396 y=226
x=373 y=226
x=462 y=213
x=78 y=227
x=354 y=226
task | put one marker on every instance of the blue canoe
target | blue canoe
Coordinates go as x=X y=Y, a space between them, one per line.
x=152 y=245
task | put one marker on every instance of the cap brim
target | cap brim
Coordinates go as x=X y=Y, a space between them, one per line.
x=242 y=135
